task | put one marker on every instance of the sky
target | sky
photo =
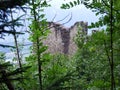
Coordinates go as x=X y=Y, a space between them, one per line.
x=79 y=13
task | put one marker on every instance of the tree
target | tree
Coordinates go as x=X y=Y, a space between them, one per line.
x=7 y=26
x=107 y=9
x=39 y=31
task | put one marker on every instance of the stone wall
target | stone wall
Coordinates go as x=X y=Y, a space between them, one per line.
x=60 y=40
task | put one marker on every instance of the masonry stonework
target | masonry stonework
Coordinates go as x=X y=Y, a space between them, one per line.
x=60 y=40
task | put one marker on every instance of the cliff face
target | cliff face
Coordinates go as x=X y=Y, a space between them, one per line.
x=60 y=40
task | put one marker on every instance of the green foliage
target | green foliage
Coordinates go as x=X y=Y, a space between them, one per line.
x=80 y=38
x=71 y=4
x=58 y=73
x=8 y=74
x=39 y=57
x=92 y=63
x=91 y=60
x=88 y=69
x=105 y=40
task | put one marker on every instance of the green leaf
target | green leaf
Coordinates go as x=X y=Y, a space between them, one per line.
x=63 y=6
x=43 y=49
x=75 y=2
x=78 y=1
x=44 y=4
x=46 y=56
x=96 y=24
x=18 y=71
x=41 y=16
x=71 y=4
x=67 y=6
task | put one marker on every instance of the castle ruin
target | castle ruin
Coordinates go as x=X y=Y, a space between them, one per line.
x=60 y=40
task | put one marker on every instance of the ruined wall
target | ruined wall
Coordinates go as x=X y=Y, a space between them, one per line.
x=60 y=40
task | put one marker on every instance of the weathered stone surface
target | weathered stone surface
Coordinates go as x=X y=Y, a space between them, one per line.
x=60 y=40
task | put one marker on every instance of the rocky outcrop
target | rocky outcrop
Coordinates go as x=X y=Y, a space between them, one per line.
x=60 y=40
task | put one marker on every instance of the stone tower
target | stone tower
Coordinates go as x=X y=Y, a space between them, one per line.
x=60 y=40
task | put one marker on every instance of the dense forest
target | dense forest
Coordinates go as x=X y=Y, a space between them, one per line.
x=95 y=64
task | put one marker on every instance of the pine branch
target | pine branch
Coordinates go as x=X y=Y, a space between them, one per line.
x=6 y=46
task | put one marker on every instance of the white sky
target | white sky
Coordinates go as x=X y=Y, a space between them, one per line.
x=79 y=13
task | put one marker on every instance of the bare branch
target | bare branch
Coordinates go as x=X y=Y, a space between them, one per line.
x=54 y=17
x=68 y=20
x=64 y=18
x=16 y=43
x=1 y=45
